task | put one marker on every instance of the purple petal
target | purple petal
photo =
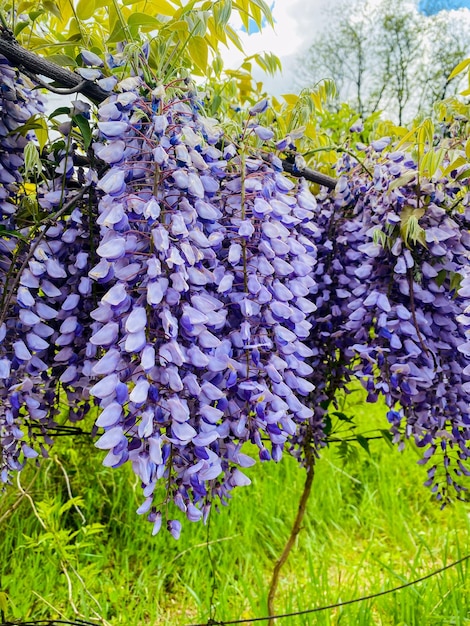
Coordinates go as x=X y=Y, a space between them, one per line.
x=110 y=438
x=110 y=415
x=140 y=392
x=174 y=526
x=105 y=387
x=183 y=431
x=106 y=335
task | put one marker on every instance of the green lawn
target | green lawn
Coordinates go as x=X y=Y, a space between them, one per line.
x=370 y=526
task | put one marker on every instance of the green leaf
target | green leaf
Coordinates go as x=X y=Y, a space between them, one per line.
x=63 y=60
x=85 y=129
x=410 y=229
x=441 y=278
x=327 y=425
x=387 y=435
x=20 y=26
x=141 y=19
x=379 y=237
x=10 y=233
x=363 y=442
x=33 y=15
x=59 y=111
x=32 y=161
x=72 y=502
x=342 y=417
x=455 y=281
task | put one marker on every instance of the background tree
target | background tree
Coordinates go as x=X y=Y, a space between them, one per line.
x=387 y=56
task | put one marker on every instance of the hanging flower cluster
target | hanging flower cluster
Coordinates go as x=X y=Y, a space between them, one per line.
x=392 y=300
x=45 y=301
x=408 y=292
x=18 y=382
x=201 y=333
x=201 y=300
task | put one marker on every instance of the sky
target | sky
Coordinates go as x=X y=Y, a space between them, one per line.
x=296 y=24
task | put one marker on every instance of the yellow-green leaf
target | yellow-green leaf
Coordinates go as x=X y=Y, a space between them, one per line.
x=234 y=38
x=53 y=8
x=41 y=132
x=117 y=34
x=242 y=8
x=197 y=47
x=402 y=180
x=264 y=8
x=458 y=162
x=179 y=26
x=85 y=9
x=161 y=7
x=290 y=98
x=222 y=11
x=459 y=68
x=3 y=602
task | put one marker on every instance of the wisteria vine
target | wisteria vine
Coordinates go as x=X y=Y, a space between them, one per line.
x=180 y=283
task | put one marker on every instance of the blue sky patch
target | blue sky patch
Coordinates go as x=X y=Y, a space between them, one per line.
x=253 y=26
x=431 y=7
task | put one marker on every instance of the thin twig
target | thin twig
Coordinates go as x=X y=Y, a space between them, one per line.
x=51 y=606
x=18 y=501
x=59 y=90
x=69 y=489
x=31 y=501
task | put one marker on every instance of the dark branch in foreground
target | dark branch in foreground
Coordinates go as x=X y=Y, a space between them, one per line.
x=311 y=175
x=35 y=66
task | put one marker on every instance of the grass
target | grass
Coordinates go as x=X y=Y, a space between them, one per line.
x=370 y=526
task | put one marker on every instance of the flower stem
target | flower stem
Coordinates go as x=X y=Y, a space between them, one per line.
x=292 y=537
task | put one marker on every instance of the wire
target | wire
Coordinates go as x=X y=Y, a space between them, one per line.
x=50 y=622
x=337 y=604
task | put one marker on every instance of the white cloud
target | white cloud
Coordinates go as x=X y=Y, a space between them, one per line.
x=296 y=24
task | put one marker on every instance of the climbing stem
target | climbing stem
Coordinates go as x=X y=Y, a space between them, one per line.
x=296 y=527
